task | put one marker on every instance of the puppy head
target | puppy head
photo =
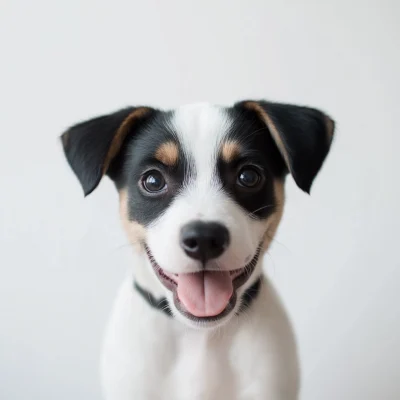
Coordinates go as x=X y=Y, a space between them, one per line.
x=201 y=190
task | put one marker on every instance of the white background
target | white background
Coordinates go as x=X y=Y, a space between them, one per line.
x=335 y=261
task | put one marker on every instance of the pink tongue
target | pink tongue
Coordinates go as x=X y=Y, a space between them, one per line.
x=205 y=294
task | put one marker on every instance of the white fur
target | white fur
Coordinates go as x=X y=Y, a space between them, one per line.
x=148 y=355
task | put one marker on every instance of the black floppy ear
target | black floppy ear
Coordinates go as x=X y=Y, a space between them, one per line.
x=91 y=146
x=302 y=135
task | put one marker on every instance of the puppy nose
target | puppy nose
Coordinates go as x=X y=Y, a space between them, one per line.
x=204 y=240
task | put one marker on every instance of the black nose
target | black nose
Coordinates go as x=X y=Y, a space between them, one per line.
x=204 y=240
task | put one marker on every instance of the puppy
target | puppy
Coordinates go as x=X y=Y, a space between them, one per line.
x=201 y=193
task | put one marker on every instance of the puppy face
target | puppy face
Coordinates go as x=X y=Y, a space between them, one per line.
x=202 y=190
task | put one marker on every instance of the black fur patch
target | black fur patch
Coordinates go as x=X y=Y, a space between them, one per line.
x=305 y=135
x=256 y=148
x=140 y=158
x=86 y=146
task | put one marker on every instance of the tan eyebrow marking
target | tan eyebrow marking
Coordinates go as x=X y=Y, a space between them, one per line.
x=168 y=154
x=230 y=150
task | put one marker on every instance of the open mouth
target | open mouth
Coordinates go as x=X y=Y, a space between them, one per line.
x=204 y=295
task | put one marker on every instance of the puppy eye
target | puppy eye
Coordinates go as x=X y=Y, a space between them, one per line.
x=249 y=177
x=153 y=182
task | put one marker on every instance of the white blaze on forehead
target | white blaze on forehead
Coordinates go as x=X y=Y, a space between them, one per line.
x=201 y=129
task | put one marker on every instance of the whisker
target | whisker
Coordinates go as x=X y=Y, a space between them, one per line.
x=245 y=136
x=273 y=239
x=270 y=268
x=261 y=208
x=124 y=246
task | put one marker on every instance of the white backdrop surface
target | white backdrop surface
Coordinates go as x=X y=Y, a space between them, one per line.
x=335 y=261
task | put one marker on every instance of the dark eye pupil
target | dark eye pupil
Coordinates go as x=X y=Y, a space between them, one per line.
x=249 y=177
x=154 y=182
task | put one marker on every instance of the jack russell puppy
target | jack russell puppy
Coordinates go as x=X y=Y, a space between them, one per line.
x=201 y=192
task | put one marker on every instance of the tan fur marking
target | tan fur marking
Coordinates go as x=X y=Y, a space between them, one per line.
x=230 y=150
x=65 y=139
x=274 y=220
x=135 y=232
x=121 y=133
x=168 y=154
x=251 y=105
x=279 y=190
x=330 y=127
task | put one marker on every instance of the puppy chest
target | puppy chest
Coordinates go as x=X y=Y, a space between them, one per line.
x=202 y=370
